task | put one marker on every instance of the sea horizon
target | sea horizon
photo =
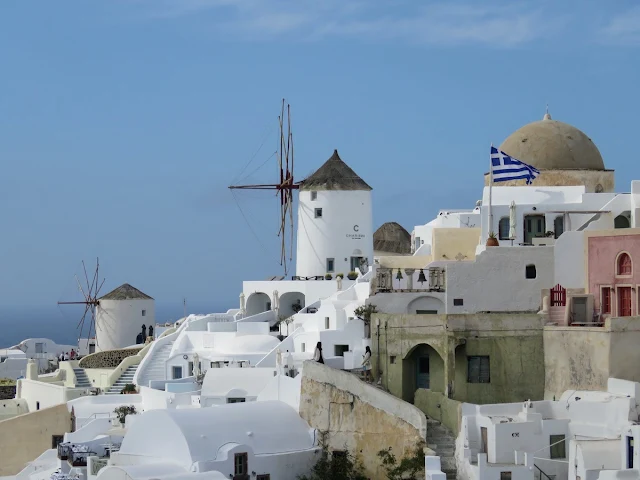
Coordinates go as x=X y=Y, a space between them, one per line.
x=60 y=324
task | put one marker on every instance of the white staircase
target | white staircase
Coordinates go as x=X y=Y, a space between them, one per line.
x=125 y=378
x=81 y=378
x=443 y=442
x=157 y=367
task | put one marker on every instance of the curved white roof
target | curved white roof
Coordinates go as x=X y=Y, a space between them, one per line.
x=220 y=381
x=247 y=344
x=195 y=435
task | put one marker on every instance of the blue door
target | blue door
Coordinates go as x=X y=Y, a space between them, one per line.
x=422 y=380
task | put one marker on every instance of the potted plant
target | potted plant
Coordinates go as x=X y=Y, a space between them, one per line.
x=340 y=275
x=124 y=410
x=328 y=276
x=352 y=275
x=492 y=241
x=129 y=389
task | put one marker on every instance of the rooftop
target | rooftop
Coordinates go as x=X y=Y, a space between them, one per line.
x=334 y=174
x=126 y=292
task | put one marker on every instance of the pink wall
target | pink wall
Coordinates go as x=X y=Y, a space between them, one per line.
x=602 y=254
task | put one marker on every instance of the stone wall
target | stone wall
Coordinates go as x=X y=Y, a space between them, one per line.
x=25 y=437
x=7 y=391
x=108 y=358
x=435 y=405
x=359 y=417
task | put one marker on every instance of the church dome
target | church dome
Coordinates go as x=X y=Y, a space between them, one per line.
x=552 y=145
x=391 y=237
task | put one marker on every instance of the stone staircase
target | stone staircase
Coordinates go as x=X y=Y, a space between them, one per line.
x=157 y=368
x=556 y=315
x=442 y=441
x=82 y=381
x=124 y=379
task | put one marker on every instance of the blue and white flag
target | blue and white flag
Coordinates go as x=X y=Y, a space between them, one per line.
x=505 y=168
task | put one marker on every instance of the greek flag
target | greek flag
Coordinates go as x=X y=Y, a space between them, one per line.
x=505 y=168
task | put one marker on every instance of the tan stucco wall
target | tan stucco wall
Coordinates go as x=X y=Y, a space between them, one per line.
x=584 y=358
x=447 y=411
x=404 y=261
x=448 y=243
x=359 y=416
x=25 y=437
x=558 y=178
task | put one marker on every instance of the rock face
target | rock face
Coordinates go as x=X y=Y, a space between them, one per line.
x=7 y=391
x=108 y=358
x=358 y=417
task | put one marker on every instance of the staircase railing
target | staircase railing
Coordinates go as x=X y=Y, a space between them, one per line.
x=543 y=473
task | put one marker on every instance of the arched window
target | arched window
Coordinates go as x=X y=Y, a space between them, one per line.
x=621 y=221
x=503 y=229
x=624 y=264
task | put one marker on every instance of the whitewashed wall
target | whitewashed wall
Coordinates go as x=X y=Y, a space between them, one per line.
x=118 y=322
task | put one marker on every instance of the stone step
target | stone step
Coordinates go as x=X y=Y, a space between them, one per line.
x=447 y=464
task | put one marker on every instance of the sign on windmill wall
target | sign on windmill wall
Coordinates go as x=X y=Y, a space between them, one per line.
x=356 y=235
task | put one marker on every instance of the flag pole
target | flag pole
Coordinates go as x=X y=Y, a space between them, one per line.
x=490 y=188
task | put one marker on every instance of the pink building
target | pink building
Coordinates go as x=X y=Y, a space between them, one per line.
x=613 y=271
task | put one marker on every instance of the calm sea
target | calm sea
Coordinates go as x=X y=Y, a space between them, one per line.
x=61 y=324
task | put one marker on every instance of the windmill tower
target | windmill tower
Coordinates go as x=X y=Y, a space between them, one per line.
x=116 y=318
x=335 y=221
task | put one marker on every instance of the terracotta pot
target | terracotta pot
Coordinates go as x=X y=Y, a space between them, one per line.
x=492 y=242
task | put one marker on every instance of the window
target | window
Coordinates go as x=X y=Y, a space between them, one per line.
x=503 y=229
x=331 y=264
x=557 y=446
x=144 y=313
x=505 y=475
x=268 y=306
x=39 y=348
x=624 y=301
x=240 y=463
x=624 y=264
x=458 y=302
x=56 y=440
x=314 y=196
x=558 y=226
x=426 y=312
x=236 y=400
x=530 y=272
x=190 y=369
x=37 y=405
x=605 y=302
x=621 y=221
x=478 y=369
x=176 y=372
x=392 y=359
x=318 y=213
x=417 y=243
x=340 y=349
x=327 y=322
x=264 y=476
x=303 y=348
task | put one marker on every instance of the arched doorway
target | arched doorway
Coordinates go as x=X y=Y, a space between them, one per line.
x=425 y=305
x=422 y=367
x=290 y=303
x=621 y=221
x=257 y=303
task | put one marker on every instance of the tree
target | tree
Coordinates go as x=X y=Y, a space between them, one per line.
x=364 y=312
x=408 y=468
x=335 y=466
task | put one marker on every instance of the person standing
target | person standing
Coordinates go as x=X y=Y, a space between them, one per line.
x=366 y=364
x=317 y=356
x=288 y=362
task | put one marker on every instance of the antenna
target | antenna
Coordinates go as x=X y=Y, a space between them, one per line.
x=90 y=301
x=284 y=189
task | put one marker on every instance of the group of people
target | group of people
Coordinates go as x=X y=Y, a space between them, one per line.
x=366 y=360
x=65 y=356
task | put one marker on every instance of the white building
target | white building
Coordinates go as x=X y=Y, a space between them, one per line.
x=584 y=435
x=120 y=317
x=335 y=223
x=44 y=351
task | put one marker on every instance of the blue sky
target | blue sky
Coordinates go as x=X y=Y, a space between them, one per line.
x=123 y=121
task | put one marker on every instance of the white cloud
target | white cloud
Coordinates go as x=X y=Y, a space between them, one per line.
x=624 y=28
x=428 y=23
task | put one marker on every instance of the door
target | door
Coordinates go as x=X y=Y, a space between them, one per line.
x=355 y=263
x=629 y=452
x=533 y=227
x=579 y=310
x=422 y=380
x=484 y=447
x=624 y=301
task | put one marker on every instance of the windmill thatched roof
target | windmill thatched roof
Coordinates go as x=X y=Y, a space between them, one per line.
x=391 y=237
x=126 y=292
x=334 y=175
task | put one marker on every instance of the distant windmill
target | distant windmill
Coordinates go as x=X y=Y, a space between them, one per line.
x=284 y=188
x=90 y=294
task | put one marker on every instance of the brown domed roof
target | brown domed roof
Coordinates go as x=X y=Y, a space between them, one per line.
x=391 y=237
x=334 y=174
x=552 y=145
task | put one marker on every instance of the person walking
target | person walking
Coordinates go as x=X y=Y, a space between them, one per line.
x=366 y=364
x=317 y=356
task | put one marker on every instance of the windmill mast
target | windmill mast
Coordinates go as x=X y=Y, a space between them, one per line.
x=284 y=189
